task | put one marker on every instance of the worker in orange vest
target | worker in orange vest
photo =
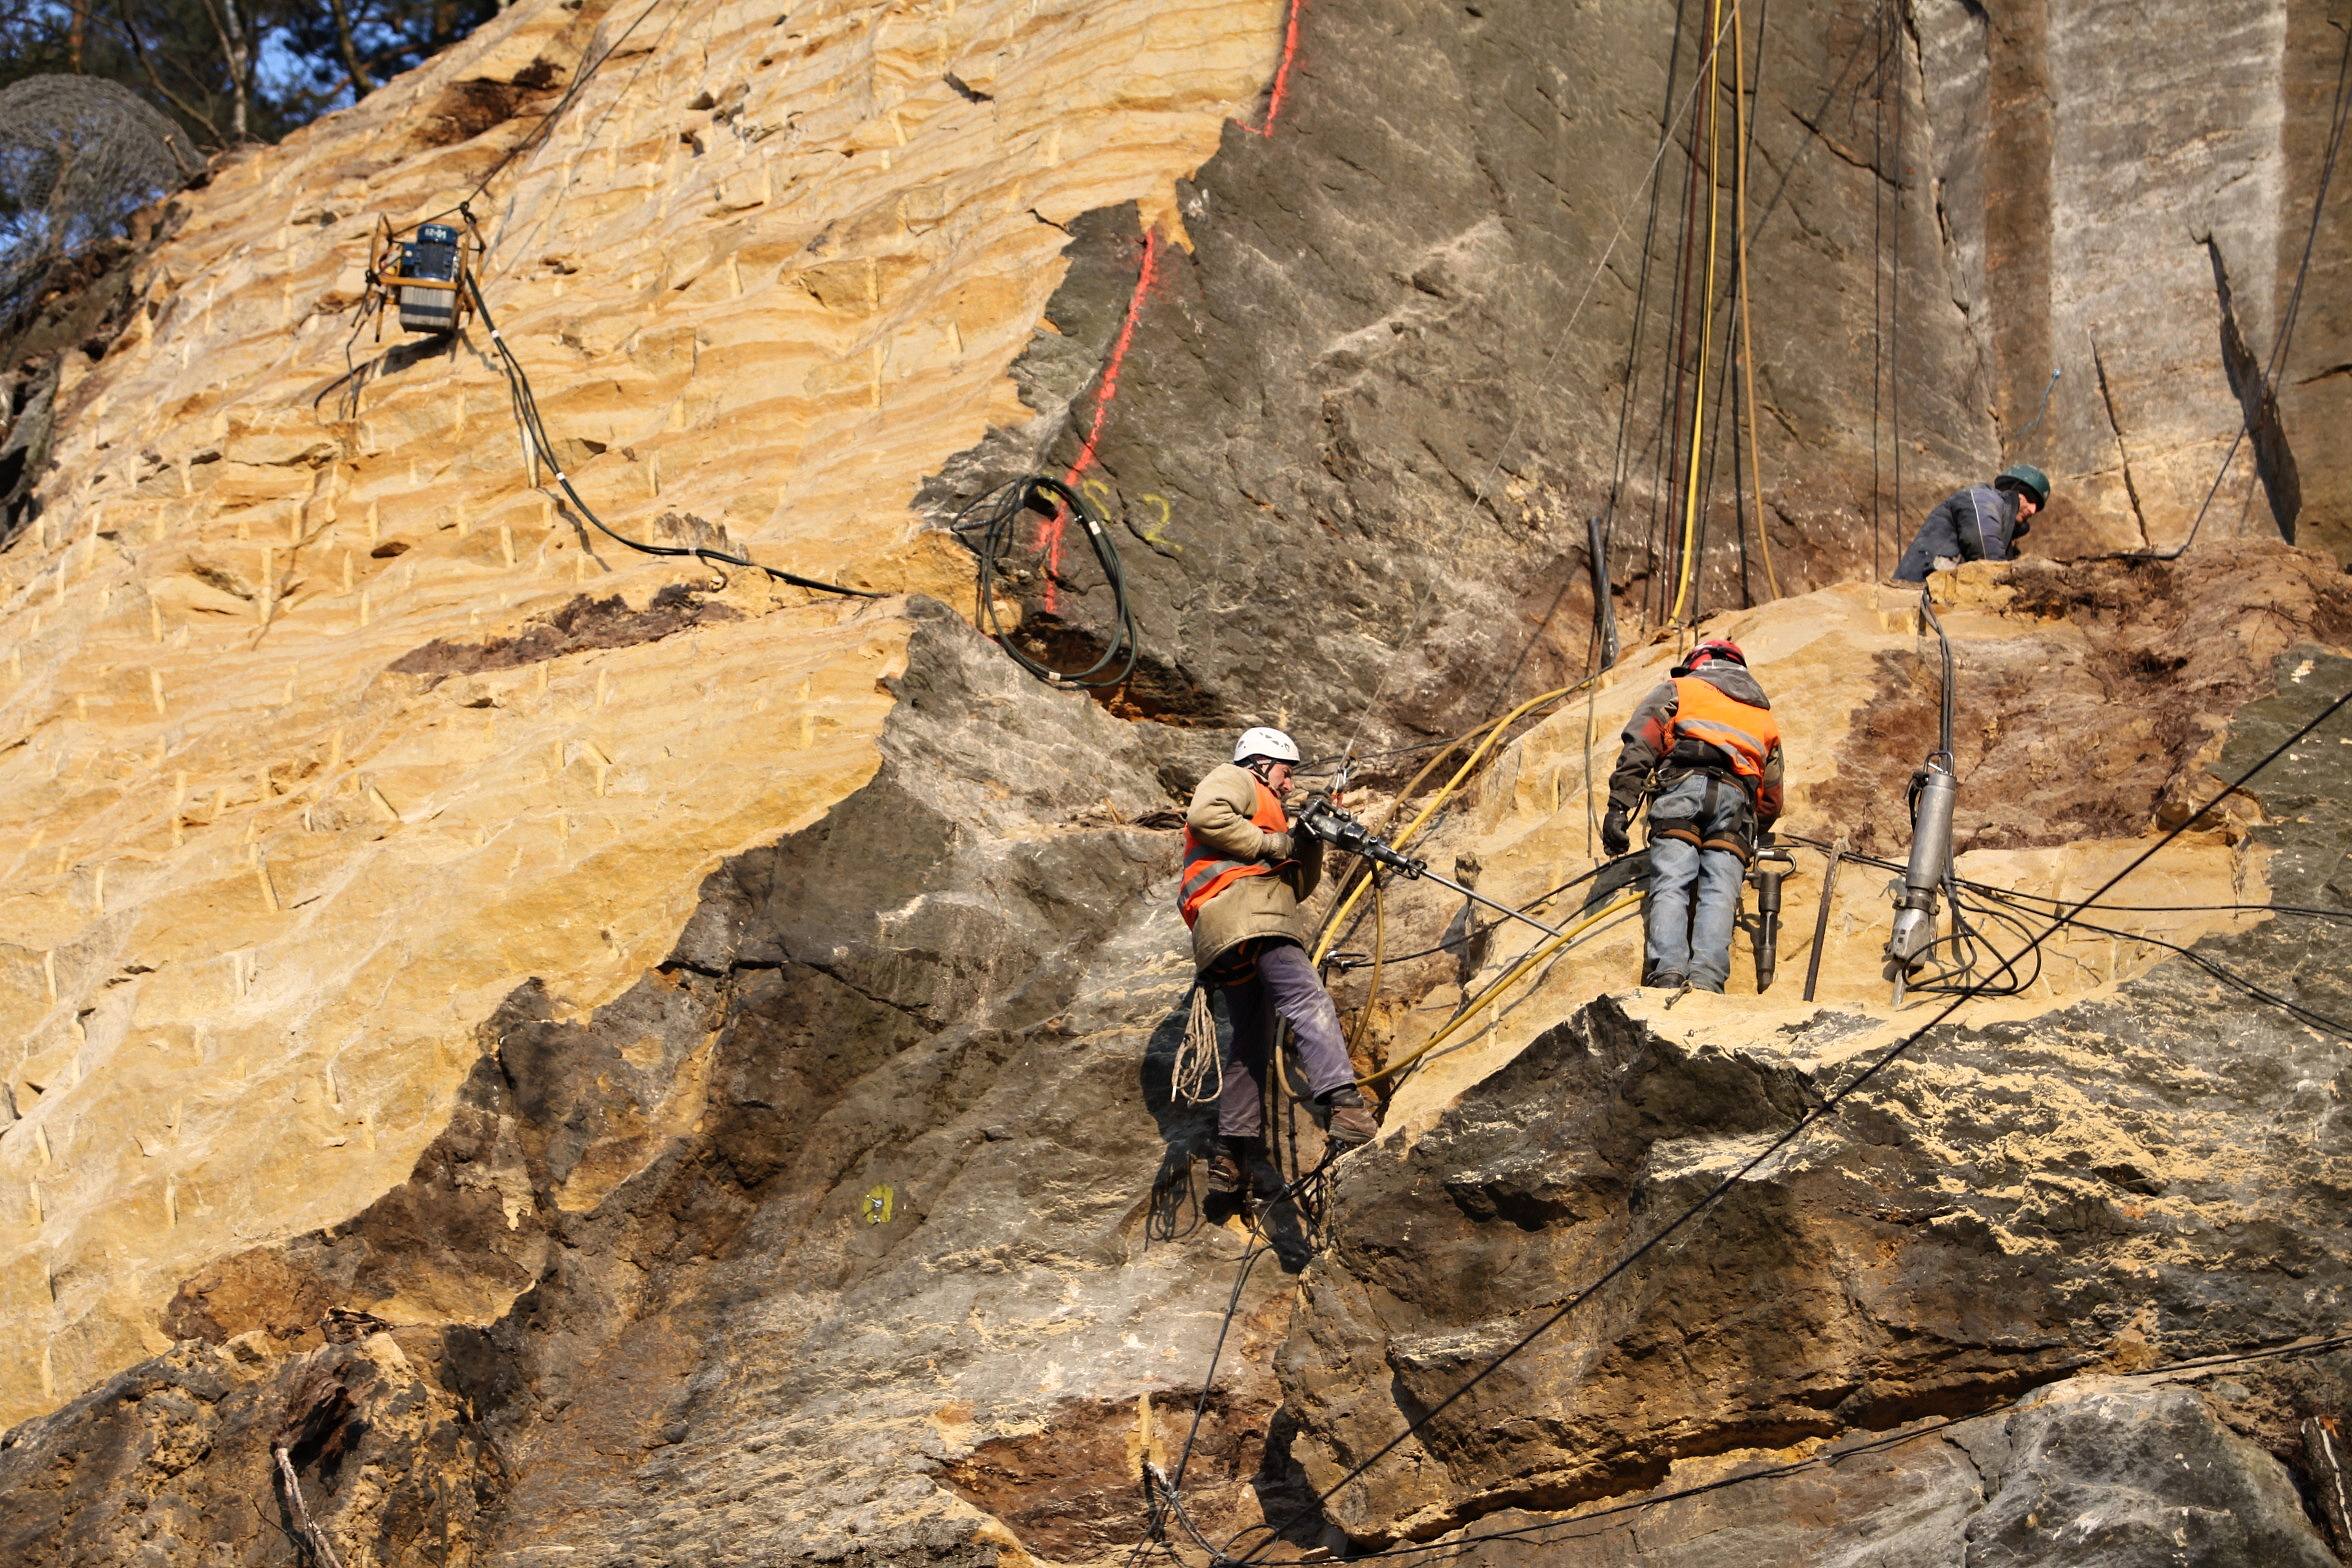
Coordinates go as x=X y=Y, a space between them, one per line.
x=1245 y=876
x=1704 y=748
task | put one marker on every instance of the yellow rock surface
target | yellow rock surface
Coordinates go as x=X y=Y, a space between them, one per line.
x=258 y=891
x=1528 y=830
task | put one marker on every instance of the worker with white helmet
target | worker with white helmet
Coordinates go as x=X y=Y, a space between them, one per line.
x=1245 y=876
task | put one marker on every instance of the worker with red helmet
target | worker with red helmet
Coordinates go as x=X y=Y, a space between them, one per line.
x=1704 y=749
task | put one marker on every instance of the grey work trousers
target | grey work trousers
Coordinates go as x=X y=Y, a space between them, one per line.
x=1279 y=985
x=1694 y=894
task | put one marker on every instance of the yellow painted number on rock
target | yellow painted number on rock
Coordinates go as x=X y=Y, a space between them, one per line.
x=1157 y=533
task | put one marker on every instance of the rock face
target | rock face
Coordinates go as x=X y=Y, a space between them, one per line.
x=529 y=1053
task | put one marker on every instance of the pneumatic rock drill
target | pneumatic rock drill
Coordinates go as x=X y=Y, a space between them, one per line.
x=1342 y=831
x=1934 y=791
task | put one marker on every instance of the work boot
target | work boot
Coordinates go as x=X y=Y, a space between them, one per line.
x=1667 y=980
x=1237 y=1169
x=1346 y=1121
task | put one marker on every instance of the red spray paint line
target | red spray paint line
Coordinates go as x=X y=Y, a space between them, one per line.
x=1290 y=42
x=1050 y=536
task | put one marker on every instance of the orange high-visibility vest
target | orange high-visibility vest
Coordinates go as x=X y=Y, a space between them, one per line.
x=1748 y=735
x=1207 y=872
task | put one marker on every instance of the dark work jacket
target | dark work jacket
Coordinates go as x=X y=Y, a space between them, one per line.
x=1979 y=523
x=1648 y=743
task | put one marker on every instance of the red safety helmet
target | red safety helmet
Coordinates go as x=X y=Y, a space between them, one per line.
x=1712 y=648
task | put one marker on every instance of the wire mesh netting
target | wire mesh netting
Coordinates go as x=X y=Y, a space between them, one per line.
x=78 y=156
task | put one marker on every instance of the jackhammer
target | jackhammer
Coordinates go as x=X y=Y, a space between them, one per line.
x=1342 y=831
x=1771 y=866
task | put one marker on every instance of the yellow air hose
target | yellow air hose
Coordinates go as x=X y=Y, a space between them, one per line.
x=1690 y=498
x=1739 y=148
x=1492 y=733
x=1519 y=971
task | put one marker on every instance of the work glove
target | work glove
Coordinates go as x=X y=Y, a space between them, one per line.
x=1615 y=837
x=1279 y=847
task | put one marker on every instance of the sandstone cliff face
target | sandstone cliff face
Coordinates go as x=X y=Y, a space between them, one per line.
x=530 y=1054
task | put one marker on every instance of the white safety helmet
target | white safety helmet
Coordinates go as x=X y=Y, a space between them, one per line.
x=1265 y=742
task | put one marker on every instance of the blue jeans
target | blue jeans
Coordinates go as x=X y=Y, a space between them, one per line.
x=1280 y=987
x=1695 y=942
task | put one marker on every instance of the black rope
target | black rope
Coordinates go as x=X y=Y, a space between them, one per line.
x=2341 y=113
x=2025 y=904
x=1828 y=1106
x=535 y=430
x=2298 y=1349
x=990 y=536
x=1476 y=928
x=546 y=123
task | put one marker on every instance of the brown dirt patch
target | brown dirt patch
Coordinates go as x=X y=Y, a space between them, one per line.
x=464 y=110
x=578 y=627
x=2090 y=721
x=1074 y=1490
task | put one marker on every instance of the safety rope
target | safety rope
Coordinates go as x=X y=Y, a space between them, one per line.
x=1198 y=1077
x=1427 y=595
x=539 y=132
x=1828 y=1106
x=2341 y=116
x=1740 y=137
x=1690 y=494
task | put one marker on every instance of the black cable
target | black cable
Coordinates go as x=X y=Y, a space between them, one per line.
x=1048 y=498
x=1260 y=1244
x=535 y=430
x=1345 y=962
x=2263 y=393
x=2223 y=973
x=2291 y=1350
x=1814 y=1115
x=2313 y=911
x=546 y=123
x=2218 y=970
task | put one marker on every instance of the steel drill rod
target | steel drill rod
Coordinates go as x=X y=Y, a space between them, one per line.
x=1821 y=920
x=1477 y=897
